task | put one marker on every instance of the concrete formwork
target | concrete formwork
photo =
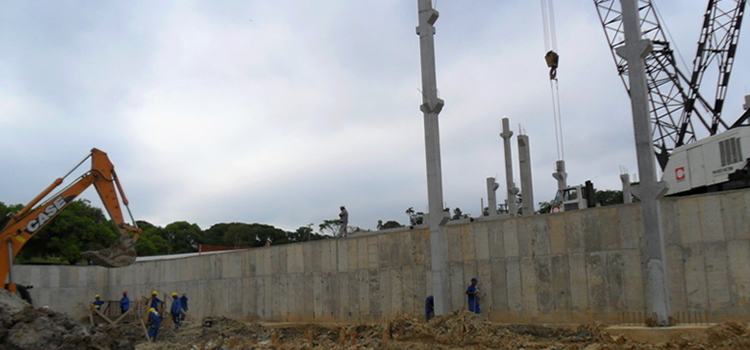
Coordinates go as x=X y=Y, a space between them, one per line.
x=577 y=266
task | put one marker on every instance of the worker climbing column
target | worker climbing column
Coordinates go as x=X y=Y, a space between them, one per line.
x=431 y=107
x=649 y=191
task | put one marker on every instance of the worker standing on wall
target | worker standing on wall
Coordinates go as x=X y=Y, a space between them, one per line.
x=124 y=302
x=473 y=293
x=344 y=219
x=176 y=310
x=154 y=319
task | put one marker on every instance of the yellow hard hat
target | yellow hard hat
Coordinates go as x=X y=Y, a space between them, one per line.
x=151 y=310
x=96 y=296
x=154 y=293
x=174 y=294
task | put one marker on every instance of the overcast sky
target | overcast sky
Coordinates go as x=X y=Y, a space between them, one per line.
x=278 y=112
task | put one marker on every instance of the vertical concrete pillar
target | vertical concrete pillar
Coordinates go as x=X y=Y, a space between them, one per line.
x=491 y=197
x=560 y=175
x=627 y=196
x=746 y=106
x=512 y=190
x=527 y=187
x=431 y=107
x=649 y=190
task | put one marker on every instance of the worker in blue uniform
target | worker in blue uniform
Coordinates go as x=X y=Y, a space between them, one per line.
x=176 y=310
x=429 y=308
x=154 y=319
x=154 y=300
x=473 y=293
x=97 y=304
x=184 y=304
x=124 y=302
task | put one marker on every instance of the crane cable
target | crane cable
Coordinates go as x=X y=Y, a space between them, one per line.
x=552 y=59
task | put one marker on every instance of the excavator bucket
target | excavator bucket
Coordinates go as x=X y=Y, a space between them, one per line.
x=121 y=254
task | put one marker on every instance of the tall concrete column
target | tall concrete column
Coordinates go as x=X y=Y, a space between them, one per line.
x=491 y=197
x=527 y=187
x=627 y=196
x=431 y=107
x=650 y=189
x=512 y=190
x=560 y=175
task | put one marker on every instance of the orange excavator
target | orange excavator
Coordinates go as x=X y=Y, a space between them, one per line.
x=17 y=229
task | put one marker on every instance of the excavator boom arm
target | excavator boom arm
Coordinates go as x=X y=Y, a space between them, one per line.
x=30 y=220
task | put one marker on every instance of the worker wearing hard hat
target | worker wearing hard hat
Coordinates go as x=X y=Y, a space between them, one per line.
x=154 y=319
x=154 y=300
x=176 y=310
x=97 y=304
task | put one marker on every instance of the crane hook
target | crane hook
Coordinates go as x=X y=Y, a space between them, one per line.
x=552 y=59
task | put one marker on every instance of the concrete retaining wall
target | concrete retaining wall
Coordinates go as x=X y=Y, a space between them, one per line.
x=574 y=267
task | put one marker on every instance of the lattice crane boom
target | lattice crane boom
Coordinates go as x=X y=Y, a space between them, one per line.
x=675 y=97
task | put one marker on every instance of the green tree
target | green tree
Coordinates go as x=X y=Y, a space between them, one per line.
x=181 y=237
x=8 y=210
x=79 y=225
x=152 y=242
x=388 y=224
x=545 y=207
x=458 y=214
x=330 y=227
x=608 y=197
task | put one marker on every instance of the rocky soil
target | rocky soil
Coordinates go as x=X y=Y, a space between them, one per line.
x=26 y=327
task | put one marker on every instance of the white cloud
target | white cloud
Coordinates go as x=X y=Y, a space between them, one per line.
x=279 y=112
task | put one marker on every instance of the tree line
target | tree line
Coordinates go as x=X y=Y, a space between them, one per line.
x=82 y=227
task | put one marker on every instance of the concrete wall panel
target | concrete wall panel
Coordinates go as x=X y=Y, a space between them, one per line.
x=689 y=218
x=734 y=213
x=676 y=276
x=541 y=239
x=631 y=226
x=717 y=275
x=557 y=238
x=739 y=271
x=712 y=228
x=481 y=242
x=574 y=232
x=499 y=294
x=695 y=277
x=529 y=284
x=576 y=266
x=515 y=292
x=560 y=278
x=544 y=287
x=510 y=238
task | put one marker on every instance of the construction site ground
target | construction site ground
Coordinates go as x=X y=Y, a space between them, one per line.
x=27 y=327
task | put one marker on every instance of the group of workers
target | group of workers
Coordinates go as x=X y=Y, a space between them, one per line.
x=177 y=310
x=180 y=305
x=472 y=293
